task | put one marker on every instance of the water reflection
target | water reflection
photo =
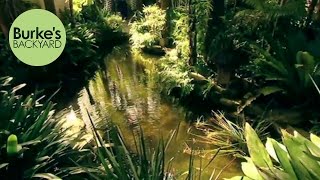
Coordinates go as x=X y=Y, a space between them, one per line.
x=124 y=93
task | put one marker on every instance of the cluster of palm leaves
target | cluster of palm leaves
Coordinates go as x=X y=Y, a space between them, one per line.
x=295 y=158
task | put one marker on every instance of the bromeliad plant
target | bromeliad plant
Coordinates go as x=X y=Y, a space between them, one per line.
x=295 y=158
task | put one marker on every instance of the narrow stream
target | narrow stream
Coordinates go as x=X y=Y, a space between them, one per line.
x=126 y=93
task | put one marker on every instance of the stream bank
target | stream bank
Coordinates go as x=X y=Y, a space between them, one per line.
x=124 y=93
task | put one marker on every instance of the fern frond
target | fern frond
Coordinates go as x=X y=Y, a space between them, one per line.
x=273 y=10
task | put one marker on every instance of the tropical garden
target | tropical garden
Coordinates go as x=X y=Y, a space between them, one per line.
x=165 y=89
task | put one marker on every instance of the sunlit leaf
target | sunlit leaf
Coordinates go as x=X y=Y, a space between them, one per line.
x=257 y=151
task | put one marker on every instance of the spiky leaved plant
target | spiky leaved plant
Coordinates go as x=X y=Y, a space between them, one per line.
x=46 y=151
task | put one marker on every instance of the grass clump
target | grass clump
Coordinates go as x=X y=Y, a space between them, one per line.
x=227 y=135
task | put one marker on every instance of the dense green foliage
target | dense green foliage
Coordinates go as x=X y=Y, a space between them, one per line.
x=290 y=76
x=174 y=71
x=146 y=29
x=244 y=59
x=36 y=145
x=295 y=158
x=89 y=39
x=45 y=150
x=244 y=51
x=235 y=55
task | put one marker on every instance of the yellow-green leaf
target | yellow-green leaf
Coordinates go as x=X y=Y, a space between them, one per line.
x=257 y=151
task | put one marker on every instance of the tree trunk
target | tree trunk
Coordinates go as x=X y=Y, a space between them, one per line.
x=165 y=5
x=214 y=22
x=311 y=9
x=215 y=25
x=192 y=34
x=9 y=10
x=122 y=7
x=3 y=26
x=224 y=76
x=73 y=21
x=49 y=4
x=317 y=18
x=136 y=5
x=281 y=4
x=108 y=5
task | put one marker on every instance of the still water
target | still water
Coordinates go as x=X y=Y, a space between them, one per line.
x=126 y=92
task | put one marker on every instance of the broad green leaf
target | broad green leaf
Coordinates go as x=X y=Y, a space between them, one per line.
x=270 y=90
x=309 y=146
x=311 y=165
x=312 y=156
x=257 y=151
x=271 y=150
x=250 y=170
x=306 y=60
x=273 y=173
x=315 y=139
x=283 y=158
x=294 y=151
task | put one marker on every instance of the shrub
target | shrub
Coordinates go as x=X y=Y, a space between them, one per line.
x=119 y=163
x=180 y=30
x=174 y=73
x=78 y=4
x=146 y=30
x=115 y=22
x=81 y=42
x=97 y=21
